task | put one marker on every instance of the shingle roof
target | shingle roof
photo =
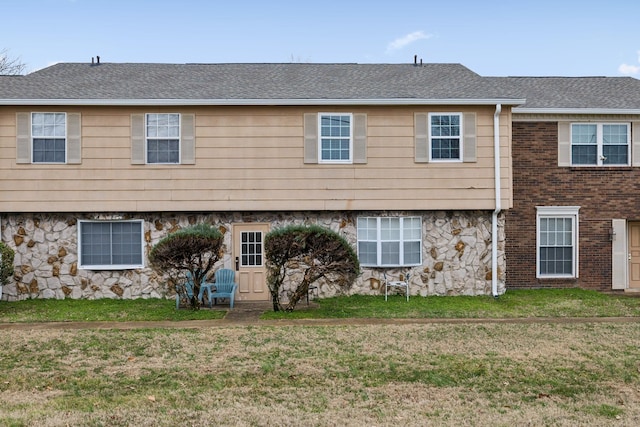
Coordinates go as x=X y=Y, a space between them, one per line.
x=621 y=93
x=293 y=81
x=249 y=81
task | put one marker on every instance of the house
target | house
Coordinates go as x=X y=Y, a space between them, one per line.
x=411 y=163
x=576 y=155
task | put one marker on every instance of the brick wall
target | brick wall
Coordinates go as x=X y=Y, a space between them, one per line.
x=601 y=193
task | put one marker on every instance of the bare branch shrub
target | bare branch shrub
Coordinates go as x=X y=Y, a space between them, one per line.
x=315 y=251
x=194 y=249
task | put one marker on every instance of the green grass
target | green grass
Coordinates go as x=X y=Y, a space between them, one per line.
x=513 y=304
x=68 y=310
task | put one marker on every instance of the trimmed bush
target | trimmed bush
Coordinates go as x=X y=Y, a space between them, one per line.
x=315 y=251
x=193 y=249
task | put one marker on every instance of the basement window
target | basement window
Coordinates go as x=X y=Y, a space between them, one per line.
x=110 y=245
x=390 y=242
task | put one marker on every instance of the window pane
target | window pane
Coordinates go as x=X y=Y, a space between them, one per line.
x=367 y=252
x=48 y=150
x=163 y=151
x=96 y=243
x=390 y=253
x=583 y=134
x=390 y=228
x=584 y=154
x=411 y=253
x=614 y=134
x=367 y=229
x=556 y=261
x=615 y=154
x=126 y=246
x=445 y=149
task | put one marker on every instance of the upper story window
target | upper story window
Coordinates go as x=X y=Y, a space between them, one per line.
x=110 y=245
x=557 y=241
x=163 y=138
x=336 y=142
x=49 y=137
x=384 y=241
x=445 y=136
x=600 y=144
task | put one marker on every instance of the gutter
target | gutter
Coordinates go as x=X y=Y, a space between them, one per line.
x=599 y=111
x=494 y=217
x=249 y=102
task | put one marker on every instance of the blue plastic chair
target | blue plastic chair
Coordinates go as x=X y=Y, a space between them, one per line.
x=223 y=287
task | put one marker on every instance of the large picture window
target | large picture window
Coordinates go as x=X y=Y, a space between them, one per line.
x=163 y=138
x=384 y=241
x=557 y=242
x=111 y=245
x=49 y=133
x=336 y=143
x=599 y=144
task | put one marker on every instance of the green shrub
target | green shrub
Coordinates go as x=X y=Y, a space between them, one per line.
x=6 y=263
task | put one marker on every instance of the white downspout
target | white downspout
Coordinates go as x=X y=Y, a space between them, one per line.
x=494 y=217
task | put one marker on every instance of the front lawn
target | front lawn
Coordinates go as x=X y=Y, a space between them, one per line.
x=68 y=310
x=514 y=303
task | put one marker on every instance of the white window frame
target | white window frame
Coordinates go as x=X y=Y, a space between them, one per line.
x=460 y=137
x=110 y=266
x=57 y=137
x=320 y=138
x=378 y=240
x=561 y=212
x=600 y=144
x=147 y=138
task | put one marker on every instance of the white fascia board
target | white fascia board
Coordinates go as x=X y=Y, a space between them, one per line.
x=287 y=102
x=518 y=110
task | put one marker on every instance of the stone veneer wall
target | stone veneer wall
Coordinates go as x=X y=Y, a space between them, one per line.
x=456 y=253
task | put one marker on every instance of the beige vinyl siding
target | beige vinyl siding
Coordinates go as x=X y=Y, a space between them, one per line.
x=253 y=159
x=635 y=143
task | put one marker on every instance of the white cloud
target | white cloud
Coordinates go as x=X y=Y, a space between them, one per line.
x=627 y=69
x=401 y=42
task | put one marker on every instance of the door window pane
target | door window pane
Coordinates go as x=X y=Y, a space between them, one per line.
x=251 y=248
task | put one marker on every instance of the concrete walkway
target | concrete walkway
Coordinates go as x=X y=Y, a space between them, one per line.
x=248 y=314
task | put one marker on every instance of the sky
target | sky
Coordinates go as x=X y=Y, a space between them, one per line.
x=491 y=37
